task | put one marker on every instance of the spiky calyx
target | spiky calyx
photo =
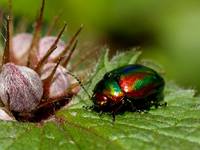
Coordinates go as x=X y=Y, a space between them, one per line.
x=33 y=72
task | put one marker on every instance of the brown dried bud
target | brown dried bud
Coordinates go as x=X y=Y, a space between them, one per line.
x=20 y=88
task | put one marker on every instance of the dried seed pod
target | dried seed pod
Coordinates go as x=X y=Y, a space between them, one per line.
x=21 y=88
x=61 y=81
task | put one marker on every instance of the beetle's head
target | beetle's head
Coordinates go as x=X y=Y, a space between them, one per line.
x=101 y=101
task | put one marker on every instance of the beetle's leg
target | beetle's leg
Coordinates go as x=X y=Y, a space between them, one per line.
x=117 y=108
x=113 y=116
x=133 y=108
x=161 y=104
x=100 y=113
x=160 y=101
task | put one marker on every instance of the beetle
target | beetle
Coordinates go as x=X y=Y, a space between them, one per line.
x=132 y=87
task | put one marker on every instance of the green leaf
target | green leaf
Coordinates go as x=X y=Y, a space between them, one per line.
x=176 y=126
x=129 y=57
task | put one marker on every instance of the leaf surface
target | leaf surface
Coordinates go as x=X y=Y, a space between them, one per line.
x=176 y=126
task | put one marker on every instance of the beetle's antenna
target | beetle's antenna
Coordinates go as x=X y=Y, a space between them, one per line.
x=80 y=83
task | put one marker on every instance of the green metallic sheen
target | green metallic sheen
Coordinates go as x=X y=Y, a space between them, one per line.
x=112 y=87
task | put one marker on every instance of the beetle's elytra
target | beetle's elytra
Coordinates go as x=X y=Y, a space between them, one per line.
x=132 y=87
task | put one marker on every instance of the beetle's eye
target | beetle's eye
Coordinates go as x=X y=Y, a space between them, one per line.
x=105 y=98
x=101 y=99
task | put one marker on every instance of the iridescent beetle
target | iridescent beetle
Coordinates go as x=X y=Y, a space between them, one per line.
x=131 y=87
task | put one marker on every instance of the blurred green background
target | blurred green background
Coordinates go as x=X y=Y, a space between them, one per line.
x=168 y=31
